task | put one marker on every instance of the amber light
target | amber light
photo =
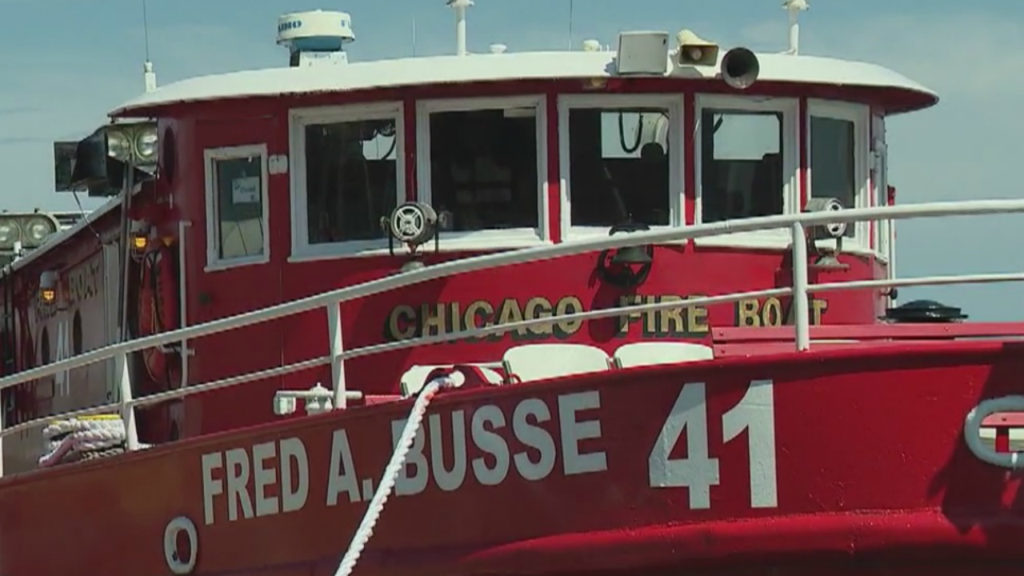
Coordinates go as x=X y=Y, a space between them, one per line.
x=48 y=286
x=139 y=235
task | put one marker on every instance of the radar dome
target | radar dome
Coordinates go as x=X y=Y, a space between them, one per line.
x=317 y=36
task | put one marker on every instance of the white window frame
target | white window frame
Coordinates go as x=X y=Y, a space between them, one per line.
x=879 y=194
x=860 y=116
x=486 y=239
x=210 y=155
x=676 y=150
x=298 y=119
x=790 y=109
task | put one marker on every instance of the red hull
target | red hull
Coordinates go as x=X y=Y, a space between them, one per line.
x=870 y=469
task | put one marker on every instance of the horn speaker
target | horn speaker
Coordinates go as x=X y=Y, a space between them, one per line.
x=740 y=68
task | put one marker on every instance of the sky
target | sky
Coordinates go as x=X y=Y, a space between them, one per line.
x=65 y=63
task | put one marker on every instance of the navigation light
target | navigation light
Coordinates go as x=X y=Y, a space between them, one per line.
x=48 y=286
x=139 y=236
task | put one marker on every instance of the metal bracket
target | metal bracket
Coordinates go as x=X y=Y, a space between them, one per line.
x=972 y=432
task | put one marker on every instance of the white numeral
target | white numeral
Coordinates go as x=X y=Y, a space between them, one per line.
x=756 y=414
x=698 y=472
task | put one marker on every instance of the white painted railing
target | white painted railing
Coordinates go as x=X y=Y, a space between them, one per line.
x=796 y=223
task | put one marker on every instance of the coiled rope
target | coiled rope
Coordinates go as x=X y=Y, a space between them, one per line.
x=394 y=467
x=82 y=438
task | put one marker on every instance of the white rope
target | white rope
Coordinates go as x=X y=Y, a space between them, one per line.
x=70 y=436
x=394 y=467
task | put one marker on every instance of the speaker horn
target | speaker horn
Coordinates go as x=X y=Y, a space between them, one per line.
x=694 y=50
x=740 y=68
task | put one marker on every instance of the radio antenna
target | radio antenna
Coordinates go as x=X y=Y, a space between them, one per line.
x=149 y=77
x=570 y=24
x=794 y=7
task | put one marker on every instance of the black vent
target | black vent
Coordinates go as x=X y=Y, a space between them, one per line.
x=924 y=311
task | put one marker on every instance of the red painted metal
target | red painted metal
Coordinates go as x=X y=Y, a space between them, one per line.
x=690 y=162
x=1002 y=443
x=923 y=331
x=899 y=494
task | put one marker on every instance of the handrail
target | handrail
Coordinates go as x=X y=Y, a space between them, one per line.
x=331 y=299
x=520 y=256
x=482 y=331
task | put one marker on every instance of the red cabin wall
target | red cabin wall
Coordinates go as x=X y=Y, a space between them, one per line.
x=179 y=196
x=678 y=271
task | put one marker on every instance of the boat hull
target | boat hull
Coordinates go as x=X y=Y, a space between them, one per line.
x=835 y=456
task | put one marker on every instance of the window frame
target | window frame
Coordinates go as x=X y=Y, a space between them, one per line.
x=860 y=116
x=790 y=110
x=673 y=102
x=298 y=120
x=214 y=262
x=878 y=160
x=486 y=239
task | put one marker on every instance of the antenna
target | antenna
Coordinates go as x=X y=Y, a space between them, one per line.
x=795 y=7
x=570 y=24
x=460 y=24
x=148 y=76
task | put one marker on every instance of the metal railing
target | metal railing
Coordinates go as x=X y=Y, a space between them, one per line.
x=331 y=300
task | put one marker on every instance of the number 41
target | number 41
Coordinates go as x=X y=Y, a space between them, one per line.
x=698 y=472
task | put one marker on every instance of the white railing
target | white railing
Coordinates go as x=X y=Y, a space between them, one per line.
x=796 y=223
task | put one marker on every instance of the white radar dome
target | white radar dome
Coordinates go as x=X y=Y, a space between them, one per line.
x=315 y=35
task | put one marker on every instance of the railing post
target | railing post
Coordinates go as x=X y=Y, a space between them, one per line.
x=127 y=409
x=337 y=363
x=801 y=313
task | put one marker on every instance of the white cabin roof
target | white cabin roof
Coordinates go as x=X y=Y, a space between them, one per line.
x=495 y=67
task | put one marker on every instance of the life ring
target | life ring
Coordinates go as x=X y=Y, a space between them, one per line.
x=158 y=312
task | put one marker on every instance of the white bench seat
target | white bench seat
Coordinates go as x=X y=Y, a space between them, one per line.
x=654 y=353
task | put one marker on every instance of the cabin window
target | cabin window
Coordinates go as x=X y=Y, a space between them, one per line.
x=236 y=206
x=746 y=161
x=482 y=166
x=348 y=173
x=619 y=161
x=838 y=160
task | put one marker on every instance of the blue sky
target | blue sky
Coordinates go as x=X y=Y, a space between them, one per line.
x=65 y=63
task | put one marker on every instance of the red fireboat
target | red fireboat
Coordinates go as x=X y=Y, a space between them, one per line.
x=603 y=311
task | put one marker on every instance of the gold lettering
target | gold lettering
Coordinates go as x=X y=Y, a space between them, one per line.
x=818 y=309
x=402 y=323
x=479 y=314
x=697 y=317
x=441 y=318
x=455 y=317
x=671 y=319
x=539 y=307
x=746 y=312
x=568 y=327
x=480 y=311
x=771 y=312
x=650 y=316
x=626 y=319
x=432 y=319
x=508 y=313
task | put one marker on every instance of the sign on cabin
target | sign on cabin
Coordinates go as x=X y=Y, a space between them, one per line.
x=245 y=190
x=406 y=321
